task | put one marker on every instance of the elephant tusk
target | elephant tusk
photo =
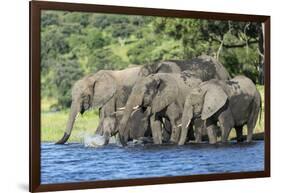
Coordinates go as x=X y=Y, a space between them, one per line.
x=77 y=115
x=179 y=125
x=188 y=123
x=121 y=109
x=136 y=107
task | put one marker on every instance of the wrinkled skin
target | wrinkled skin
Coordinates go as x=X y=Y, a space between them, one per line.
x=109 y=90
x=200 y=133
x=232 y=103
x=106 y=90
x=137 y=126
x=203 y=67
x=164 y=94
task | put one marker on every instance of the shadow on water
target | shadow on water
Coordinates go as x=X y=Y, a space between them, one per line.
x=73 y=162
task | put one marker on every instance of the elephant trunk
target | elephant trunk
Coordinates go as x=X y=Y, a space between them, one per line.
x=133 y=102
x=123 y=133
x=186 y=119
x=106 y=138
x=74 y=110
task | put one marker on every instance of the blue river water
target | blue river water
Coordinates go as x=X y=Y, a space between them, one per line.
x=75 y=163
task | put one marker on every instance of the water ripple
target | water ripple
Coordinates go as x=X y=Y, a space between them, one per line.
x=76 y=163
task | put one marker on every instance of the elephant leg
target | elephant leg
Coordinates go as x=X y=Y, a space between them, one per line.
x=190 y=134
x=198 y=127
x=175 y=132
x=251 y=123
x=239 y=133
x=99 y=129
x=174 y=115
x=156 y=129
x=211 y=132
x=251 y=126
x=250 y=131
x=166 y=135
x=226 y=123
x=198 y=135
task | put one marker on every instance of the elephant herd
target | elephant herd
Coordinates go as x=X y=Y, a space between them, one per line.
x=171 y=101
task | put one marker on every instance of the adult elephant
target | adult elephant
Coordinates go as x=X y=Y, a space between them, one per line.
x=204 y=67
x=106 y=90
x=109 y=90
x=232 y=103
x=161 y=94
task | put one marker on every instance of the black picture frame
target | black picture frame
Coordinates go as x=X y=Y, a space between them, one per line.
x=34 y=109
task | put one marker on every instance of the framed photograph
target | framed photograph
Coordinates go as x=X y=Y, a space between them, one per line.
x=125 y=96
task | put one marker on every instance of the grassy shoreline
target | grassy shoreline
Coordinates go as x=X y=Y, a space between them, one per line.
x=53 y=123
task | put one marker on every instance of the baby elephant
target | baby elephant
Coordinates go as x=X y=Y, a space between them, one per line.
x=232 y=103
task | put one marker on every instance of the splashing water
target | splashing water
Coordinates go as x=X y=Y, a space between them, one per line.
x=93 y=141
x=97 y=140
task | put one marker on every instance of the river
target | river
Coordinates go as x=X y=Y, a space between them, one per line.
x=75 y=163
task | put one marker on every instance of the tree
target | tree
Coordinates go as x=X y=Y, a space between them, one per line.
x=104 y=58
x=66 y=72
x=221 y=39
x=141 y=53
x=75 y=43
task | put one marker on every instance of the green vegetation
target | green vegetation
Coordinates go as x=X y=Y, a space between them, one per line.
x=74 y=44
x=53 y=125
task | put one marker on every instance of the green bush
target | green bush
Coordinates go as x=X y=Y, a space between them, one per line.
x=77 y=43
x=141 y=53
x=66 y=72
x=105 y=59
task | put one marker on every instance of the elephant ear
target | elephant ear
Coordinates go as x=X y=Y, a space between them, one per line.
x=103 y=89
x=167 y=93
x=214 y=99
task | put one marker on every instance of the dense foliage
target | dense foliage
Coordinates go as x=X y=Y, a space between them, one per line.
x=74 y=44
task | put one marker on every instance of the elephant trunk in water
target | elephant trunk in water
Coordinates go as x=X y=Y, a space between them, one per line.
x=186 y=119
x=74 y=110
x=133 y=103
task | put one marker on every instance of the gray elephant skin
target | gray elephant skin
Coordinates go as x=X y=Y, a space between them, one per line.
x=106 y=90
x=109 y=90
x=161 y=94
x=233 y=104
x=204 y=67
x=138 y=127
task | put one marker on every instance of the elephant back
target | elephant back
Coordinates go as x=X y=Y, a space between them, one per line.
x=240 y=85
x=203 y=67
x=125 y=80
